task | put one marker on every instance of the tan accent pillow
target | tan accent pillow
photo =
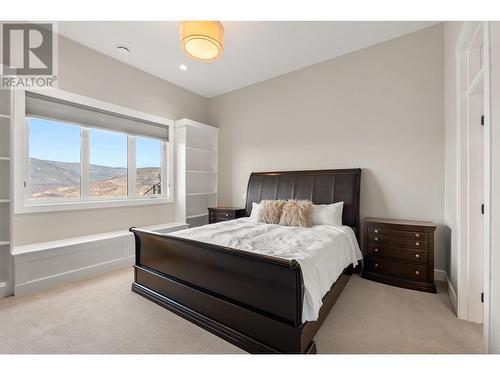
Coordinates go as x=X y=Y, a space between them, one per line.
x=297 y=214
x=270 y=211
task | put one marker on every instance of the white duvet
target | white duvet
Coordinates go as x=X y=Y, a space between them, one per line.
x=322 y=251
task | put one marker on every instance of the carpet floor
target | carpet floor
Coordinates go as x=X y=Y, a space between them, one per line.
x=101 y=315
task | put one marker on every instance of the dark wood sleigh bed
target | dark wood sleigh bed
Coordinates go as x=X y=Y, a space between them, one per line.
x=251 y=300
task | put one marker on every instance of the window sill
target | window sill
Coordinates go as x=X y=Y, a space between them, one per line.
x=88 y=205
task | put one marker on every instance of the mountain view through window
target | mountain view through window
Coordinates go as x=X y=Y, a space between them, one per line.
x=54 y=160
x=55 y=154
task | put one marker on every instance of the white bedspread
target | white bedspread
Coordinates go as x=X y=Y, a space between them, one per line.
x=322 y=251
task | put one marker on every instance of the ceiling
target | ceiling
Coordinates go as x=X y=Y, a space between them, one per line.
x=253 y=51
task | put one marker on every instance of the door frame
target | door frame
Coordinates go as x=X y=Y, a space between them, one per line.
x=467 y=36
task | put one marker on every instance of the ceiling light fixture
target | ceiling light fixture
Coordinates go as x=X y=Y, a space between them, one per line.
x=183 y=67
x=122 y=50
x=202 y=40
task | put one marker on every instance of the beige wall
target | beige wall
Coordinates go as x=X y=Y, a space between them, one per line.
x=380 y=108
x=87 y=72
x=451 y=33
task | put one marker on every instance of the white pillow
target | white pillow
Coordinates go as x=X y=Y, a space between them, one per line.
x=254 y=216
x=330 y=214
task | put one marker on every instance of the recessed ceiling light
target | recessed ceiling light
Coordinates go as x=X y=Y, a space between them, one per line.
x=183 y=67
x=122 y=50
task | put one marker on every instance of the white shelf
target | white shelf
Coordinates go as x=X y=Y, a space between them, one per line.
x=76 y=241
x=5 y=212
x=196 y=187
x=205 y=193
x=200 y=149
x=193 y=171
x=197 y=215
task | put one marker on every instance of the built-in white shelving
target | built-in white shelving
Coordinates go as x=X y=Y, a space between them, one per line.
x=5 y=194
x=197 y=149
x=196 y=159
x=191 y=171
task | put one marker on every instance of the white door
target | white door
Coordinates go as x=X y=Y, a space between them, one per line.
x=476 y=199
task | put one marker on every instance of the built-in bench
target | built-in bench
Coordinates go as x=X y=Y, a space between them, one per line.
x=41 y=265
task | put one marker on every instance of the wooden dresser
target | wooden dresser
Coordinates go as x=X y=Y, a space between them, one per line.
x=400 y=253
x=217 y=214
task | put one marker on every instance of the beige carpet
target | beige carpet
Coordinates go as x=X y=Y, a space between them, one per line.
x=102 y=315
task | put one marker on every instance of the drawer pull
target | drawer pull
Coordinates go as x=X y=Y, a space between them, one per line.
x=376 y=250
x=376 y=230
x=417 y=235
x=417 y=273
x=376 y=238
x=376 y=265
x=227 y=215
x=417 y=243
x=417 y=255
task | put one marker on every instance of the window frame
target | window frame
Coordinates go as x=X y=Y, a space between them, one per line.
x=21 y=160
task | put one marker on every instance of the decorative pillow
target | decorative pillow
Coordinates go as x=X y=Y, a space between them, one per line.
x=254 y=215
x=297 y=214
x=270 y=211
x=330 y=214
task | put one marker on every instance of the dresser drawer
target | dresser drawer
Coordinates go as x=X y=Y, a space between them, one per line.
x=410 y=255
x=398 y=233
x=224 y=215
x=397 y=242
x=216 y=215
x=396 y=269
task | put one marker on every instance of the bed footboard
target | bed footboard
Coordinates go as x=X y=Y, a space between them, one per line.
x=251 y=300
x=226 y=290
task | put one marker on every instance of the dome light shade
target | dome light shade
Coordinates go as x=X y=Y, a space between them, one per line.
x=202 y=40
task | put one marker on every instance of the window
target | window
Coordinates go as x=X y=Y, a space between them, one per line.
x=55 y=168
x=108 y=164
x=54 y=160
x=148 y=163
x=83 y=157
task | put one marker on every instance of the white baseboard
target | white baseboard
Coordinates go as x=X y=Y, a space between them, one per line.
x=452 y=294
x=72 y=275
x=3 y=289
x=439 y=275
x=39 y=266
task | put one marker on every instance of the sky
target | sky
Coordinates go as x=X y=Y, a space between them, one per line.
x=51 y=140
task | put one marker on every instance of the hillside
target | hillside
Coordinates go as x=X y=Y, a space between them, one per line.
x=53 y=179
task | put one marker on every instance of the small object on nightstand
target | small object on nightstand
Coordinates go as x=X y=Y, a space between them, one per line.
x=400 y=253
x=217 y=214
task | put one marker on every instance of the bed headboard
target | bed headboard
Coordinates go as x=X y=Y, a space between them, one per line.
x=318 y=186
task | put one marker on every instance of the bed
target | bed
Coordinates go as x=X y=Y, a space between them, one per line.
x=258 y=300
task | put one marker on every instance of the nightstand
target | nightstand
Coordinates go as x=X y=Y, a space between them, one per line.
x=400 y=253
x=218 y=214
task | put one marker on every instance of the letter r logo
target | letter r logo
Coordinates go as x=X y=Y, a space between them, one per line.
x=27 y=48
